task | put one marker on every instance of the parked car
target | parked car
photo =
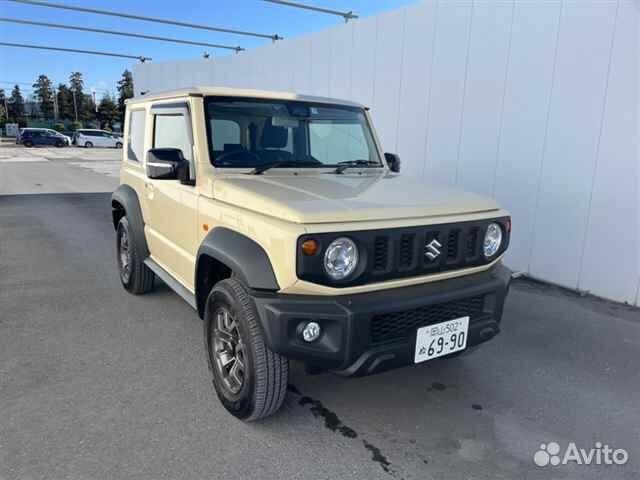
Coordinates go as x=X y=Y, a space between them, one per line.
x=89 y=138
x=30 y=137
x=280 y=220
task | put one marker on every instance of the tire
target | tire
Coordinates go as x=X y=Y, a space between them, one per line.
x=118 y=145
x=88 y=145
x=259 y=389
x=135 y=276
x=28 y=143
x=59 y=144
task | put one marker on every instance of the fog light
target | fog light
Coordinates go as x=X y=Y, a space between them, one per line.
x=311 y=332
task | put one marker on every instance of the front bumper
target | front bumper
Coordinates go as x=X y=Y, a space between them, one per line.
x=371 y=332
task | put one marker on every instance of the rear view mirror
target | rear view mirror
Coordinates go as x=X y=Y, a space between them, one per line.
x=393 y=160
x=167 y=164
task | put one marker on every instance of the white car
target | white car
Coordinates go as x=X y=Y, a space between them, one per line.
x=97 y=138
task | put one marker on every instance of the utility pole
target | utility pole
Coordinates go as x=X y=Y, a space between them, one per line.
x=75 y=104
x=55 y=105
x=95 y=104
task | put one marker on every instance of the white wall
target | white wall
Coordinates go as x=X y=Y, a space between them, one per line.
x=531 y=101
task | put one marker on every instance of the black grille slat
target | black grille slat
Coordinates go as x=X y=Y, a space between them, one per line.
x=471 y=246
x=380 y=253
x=402 y=325
x=406 y=250
x=452 y=244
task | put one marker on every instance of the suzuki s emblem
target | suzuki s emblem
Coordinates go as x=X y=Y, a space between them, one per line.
x=432 y=249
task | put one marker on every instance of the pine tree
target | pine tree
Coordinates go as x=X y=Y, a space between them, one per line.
x=76 y=87
x=125 y=90
x=65 y=103
x=44 y=93
x=3 y=106
x=16 y=105
x=108 y=112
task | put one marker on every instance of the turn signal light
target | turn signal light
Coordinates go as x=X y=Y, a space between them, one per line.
x=309 y=247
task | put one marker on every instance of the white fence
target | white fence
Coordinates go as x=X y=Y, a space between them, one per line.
x=533 y=102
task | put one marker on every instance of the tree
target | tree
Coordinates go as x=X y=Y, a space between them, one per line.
x=76 y=87
x=107 y=112
x=44 y=93
x=16 y=105
x=65 y=103
x=125 y=90
x=3 y=107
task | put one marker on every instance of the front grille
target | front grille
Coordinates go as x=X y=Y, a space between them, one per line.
x=402 y=325
x=402 y=252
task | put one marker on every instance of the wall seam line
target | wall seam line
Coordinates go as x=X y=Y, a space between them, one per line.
x=504 y=96
x=353 y=29
x=428 y=97
x=464 y=91
x=404 y=29
x=532 y=233
x=375 y=66
x=597 y=156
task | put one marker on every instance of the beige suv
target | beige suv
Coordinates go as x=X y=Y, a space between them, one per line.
x=278 y=218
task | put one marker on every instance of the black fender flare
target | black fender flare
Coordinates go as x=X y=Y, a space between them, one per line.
x=127 y=198
x=243 y=256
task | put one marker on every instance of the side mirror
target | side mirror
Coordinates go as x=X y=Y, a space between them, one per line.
x=393 y=160
x=167 y=164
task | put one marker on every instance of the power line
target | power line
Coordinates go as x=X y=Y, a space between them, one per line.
x=346 y=15
x=147 y=19
x=73 y=50
x=113 y=32
x=31 y=89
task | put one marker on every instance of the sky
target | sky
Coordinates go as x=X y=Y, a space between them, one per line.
x=23 y=66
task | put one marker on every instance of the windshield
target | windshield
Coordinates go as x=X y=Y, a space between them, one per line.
x=252 y=133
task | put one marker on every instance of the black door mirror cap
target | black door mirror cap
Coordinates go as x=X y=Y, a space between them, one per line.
x=165 y=163
x=393 y=161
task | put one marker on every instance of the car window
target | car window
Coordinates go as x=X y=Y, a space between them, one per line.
x=135 y=137
x=171 y=131
x=252 y=132
x=329 y=140
x=224 y=132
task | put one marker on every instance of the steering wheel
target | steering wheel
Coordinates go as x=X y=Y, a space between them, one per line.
x=228 y=158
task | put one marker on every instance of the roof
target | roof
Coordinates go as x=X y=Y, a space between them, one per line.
x=240 y=92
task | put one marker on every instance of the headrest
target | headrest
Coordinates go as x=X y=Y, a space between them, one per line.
x=232 y=147
x=273 y=137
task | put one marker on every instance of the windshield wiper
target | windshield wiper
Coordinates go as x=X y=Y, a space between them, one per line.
x=263 y=168
x=342 y=166
x=283 y=163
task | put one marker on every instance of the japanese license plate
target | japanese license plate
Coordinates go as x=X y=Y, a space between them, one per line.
x=440 y=339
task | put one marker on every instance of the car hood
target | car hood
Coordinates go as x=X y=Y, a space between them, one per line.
x=327 y=197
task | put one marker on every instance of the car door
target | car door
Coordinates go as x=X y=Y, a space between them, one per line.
x=103 y=138
x=171 y=206
x=108 y=140
x=95 y=138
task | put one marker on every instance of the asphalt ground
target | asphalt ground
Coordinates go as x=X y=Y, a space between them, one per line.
x=96 y=383
x=55 y=170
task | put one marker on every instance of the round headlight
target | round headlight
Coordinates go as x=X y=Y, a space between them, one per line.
x=341 y=258
x=492 y=240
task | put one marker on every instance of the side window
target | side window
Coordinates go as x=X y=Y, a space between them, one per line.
x=135 y=136
x=171 y=131
x=225 y=132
